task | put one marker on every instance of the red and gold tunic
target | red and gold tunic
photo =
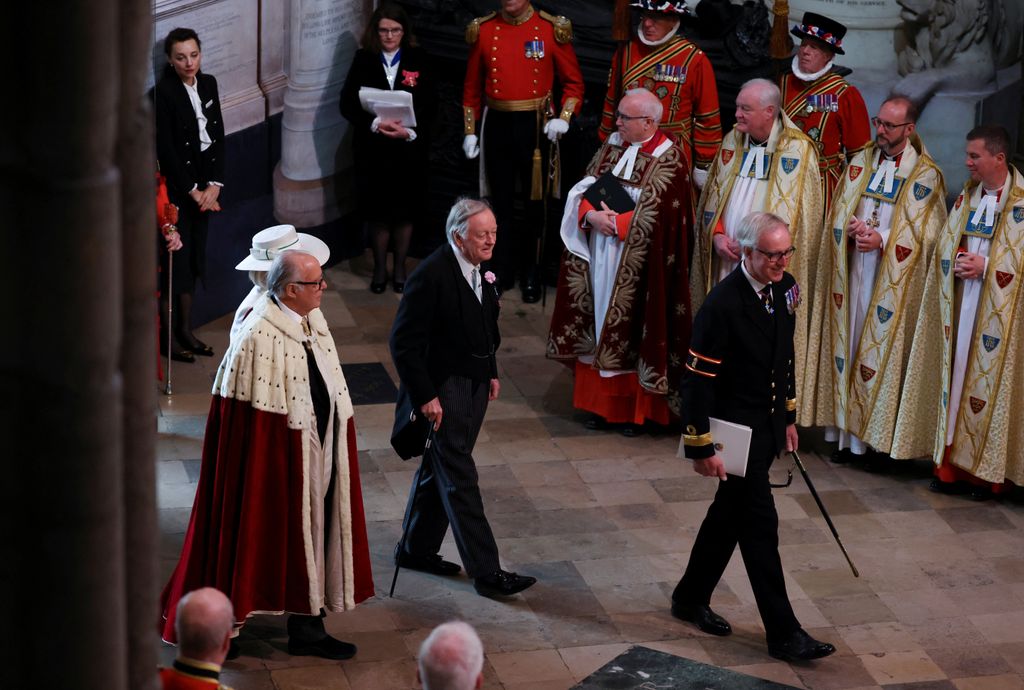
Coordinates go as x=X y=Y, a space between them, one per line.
x=832 y=113
x=679 y=73
x=513 y=63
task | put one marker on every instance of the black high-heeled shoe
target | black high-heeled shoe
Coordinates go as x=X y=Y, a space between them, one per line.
x=398 y=286
x=378 y=288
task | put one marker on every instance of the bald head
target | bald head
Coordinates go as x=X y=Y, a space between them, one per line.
x=203 y=624
x=451 y=658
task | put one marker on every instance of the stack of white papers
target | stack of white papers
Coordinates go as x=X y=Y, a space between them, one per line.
x=388 y=105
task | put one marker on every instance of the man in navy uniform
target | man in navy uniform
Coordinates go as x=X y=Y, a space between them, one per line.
x=740 y=369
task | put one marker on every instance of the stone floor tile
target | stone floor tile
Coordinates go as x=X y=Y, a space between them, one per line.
x=314 y=678
x=1000 y=627
x=555 y=473
x=623 y=493
x=972 y=572
x=374 y=675
x=854 y=609
x=249 y=680
x=946 y=632
x=833 y=673
x=922 y=604
x=832 y=582
x=1013 y=653
x=969 y=662
x=1004 y=682
x=877 y=638
x=738 y=649
x=901 y=667
x=775 y=671
x=607 y=470
x=530 y=667
x=582 y=661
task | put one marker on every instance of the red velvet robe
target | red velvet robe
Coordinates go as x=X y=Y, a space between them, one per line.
x=246 y=533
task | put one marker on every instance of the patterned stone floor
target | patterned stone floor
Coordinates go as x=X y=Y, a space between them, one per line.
x=606 y=524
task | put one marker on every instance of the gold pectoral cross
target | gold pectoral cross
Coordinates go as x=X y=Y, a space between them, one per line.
x=874 y=221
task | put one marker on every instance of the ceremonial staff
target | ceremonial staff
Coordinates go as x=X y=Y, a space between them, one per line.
x=824 y=513
x=168 y=227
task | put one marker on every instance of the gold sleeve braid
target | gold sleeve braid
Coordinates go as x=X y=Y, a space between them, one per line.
x=473 y=28
x=563 y=27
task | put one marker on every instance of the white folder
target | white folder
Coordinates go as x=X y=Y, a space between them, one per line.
x=732 y=445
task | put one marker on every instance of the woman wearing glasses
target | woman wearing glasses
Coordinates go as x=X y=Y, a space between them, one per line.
x=390 y=155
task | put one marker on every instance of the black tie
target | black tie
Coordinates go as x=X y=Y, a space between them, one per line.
x=766 y=298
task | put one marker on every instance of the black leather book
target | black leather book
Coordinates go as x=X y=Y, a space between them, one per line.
x=608 y=189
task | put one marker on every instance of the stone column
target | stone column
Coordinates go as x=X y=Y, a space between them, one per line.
x=62 y=575
x=136 y=162
x=324 y=37
x=273 y=53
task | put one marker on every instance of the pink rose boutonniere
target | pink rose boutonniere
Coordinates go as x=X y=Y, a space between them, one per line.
x=409 y=78
x=489 y=277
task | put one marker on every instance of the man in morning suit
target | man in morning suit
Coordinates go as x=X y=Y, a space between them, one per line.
x=443 y=343
x=740 y=369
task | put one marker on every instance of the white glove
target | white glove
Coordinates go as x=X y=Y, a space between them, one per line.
x=555 y=129
x=700 y=177
x=470 y=146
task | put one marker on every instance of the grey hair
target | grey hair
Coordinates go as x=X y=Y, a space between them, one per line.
x=258 y=278
x=203 y=618
x=284 y=270
x=754 y=225
x=768 y=92
x=650 y=105
x=458 y=218
x=451 y=658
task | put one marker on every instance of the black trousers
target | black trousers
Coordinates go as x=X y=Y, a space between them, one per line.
x=510 y=139
x=743 y=513
x=446 y=487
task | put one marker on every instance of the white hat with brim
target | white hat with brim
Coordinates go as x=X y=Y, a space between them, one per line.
x=270 y=243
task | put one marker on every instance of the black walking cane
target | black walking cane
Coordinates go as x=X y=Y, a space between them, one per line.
x=824 y=513
x=405 y=519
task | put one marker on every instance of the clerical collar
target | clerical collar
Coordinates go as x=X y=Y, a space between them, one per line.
x=809 y=77
x=661 y=41
x=516 y=21
x=753 y=142
x=896 y=157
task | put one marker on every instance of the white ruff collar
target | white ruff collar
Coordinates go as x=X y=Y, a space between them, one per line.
x=660 y=41
x=809 y=77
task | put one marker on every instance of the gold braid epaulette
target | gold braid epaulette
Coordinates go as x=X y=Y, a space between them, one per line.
x=473 y=28
x=563 y=27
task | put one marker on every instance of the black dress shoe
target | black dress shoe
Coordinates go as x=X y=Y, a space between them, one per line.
x=195 y=345
x=233 y=649
x=433 y=564
x=799 y=647
x=326 y=648
x=378 y=288
x=703 y=617
x=631 y=430
x=980 y=493
x=398 y=286
x=531 y=290
x=501 y=583
x=841 y=456
x=595 y=423
x=876 y=461
x=949 y=488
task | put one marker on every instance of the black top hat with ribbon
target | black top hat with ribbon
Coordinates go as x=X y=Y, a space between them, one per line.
x=663 y=6
x=822 y=29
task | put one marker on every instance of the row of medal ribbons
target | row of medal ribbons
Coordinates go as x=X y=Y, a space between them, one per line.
x=674 y=74
x=534 y=49
x=823 y=103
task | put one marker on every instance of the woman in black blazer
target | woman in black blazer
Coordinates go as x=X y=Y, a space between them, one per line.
x=190 y=152
x=390 y=159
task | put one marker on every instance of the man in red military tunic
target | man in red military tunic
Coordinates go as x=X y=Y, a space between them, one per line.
x=678 y=73
x=515 y=56
x=622 y=312
x=825 y=106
